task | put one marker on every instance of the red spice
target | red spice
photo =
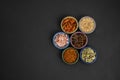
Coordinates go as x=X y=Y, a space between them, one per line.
x=70 y=55
x=69 y=24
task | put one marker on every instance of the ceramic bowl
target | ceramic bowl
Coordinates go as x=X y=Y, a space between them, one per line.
x=61 y=40
x=78 y=40
x=87 y=24
x=88 y=55
x=69 y=24
x=70 y=55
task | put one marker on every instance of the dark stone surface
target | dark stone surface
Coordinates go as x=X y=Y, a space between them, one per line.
x=27 y=29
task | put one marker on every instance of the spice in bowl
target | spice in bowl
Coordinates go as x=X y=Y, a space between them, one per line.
x=78 y=40
x=61 y=40
x=70 y=55
x=69 y=24
x=88 y=55
x=87 y=24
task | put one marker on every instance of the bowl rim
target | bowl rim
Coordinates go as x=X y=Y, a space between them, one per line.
x=57 y=45
x=72 y=18
x=85 y=61
x=85 y=42
x=80 y=26
x=76 y=53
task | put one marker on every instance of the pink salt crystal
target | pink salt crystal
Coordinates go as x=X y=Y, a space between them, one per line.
x=61 y=40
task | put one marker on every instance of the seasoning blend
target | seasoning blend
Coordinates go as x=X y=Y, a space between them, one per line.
x=69 y=24
x=70 y=55
x=88 y=55
x=78 y=40
x=87 y=24
x=61 y=40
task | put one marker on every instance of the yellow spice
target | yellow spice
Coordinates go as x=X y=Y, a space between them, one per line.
x=87 y=24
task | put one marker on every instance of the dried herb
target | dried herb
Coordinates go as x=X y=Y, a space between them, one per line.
x=88 y=55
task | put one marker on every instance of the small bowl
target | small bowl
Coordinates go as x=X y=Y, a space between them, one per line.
x=78 y=40
x=93 y=55
x=69 y=24
x=61 y=40
x=87 y=24
x=70 y=53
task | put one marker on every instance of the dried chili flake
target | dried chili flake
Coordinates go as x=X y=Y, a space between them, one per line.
x=69 y=24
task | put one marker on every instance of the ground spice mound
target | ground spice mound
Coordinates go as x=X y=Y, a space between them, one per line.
x=88 y=55
x=87 y=24
x=70 y=55
x=69 y=24
x=78 y=40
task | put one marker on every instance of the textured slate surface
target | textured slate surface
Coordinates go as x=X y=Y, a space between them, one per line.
x=27 y=29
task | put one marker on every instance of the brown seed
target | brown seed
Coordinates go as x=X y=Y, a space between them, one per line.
x=78 y=40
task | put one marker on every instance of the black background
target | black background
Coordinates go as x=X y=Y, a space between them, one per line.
x=27 y=29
